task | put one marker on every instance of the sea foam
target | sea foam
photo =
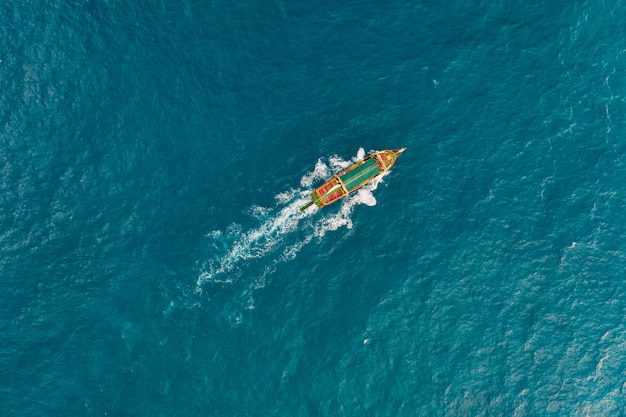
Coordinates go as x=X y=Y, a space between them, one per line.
x=236 y=249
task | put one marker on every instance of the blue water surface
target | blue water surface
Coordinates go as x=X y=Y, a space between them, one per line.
x=154 y=260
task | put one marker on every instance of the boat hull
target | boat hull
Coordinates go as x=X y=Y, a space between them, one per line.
x=353 y=178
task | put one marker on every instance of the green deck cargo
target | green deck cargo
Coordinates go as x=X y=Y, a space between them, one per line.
x=353 y=179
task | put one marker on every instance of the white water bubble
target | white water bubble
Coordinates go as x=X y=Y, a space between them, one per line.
x=320 y=172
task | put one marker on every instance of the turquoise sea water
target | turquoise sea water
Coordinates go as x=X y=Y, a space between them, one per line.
x=154 y=261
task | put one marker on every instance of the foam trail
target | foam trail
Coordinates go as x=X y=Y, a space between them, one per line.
x=255 y=243
x=240 y=249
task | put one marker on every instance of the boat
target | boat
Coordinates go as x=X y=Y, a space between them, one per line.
x=353 y=178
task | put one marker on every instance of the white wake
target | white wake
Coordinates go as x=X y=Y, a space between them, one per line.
x=236 y=251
